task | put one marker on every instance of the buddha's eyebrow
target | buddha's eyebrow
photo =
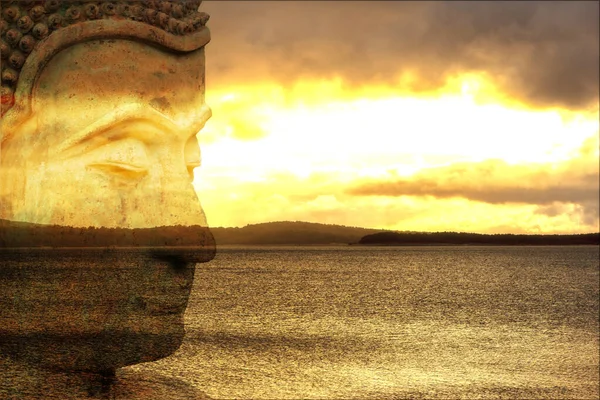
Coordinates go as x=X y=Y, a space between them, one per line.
x=129 y=114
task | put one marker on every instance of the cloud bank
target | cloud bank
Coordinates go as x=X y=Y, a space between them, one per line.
x=544 y=54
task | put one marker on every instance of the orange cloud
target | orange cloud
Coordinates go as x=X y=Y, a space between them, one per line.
x=571 y=187
x=323 y=198
x=491 y=181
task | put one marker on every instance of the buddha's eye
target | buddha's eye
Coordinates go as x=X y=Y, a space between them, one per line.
x=123 y=159
x=127 y=171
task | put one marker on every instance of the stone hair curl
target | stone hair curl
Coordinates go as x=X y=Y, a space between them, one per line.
x=27 y=25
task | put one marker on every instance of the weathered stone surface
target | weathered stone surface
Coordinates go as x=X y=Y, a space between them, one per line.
x=101 y=103
x=98 y=152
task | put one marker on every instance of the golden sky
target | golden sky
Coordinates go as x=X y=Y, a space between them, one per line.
x=427 y=116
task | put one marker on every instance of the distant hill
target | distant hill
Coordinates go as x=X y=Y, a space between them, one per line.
x=290 y=233
x=23 y=234
x=461 y=238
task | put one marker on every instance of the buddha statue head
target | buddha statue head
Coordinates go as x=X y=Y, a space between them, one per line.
x=101 y=104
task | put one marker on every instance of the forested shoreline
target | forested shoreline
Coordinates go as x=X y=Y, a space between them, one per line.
x=463 y=238
x=22 y=234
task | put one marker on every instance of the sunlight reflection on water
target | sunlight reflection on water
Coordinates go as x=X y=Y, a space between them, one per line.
x=419 y=322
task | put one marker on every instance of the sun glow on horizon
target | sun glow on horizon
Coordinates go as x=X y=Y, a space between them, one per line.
x=257 y=133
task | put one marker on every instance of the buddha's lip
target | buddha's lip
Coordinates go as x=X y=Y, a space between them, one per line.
x=163 y=306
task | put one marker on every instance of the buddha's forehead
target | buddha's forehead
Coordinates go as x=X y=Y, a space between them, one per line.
x=89 y=80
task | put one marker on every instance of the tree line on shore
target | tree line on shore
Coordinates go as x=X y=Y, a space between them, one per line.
x=462 y=238
x=22 y=234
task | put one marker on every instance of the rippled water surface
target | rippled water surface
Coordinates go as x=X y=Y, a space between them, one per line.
x=393 y=322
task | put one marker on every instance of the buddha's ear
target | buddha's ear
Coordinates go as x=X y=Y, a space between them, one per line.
x=15 y=132
x=15 y=150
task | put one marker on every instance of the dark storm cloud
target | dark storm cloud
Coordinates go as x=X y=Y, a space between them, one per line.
x=542 y=53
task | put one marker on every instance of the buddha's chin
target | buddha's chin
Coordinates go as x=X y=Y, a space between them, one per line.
x=97 y=352
x=92 y=313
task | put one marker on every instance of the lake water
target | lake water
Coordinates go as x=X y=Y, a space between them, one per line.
x=393 y=322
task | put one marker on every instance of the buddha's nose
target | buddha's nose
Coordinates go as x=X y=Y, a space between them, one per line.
x=179 y=203
x=169 y=199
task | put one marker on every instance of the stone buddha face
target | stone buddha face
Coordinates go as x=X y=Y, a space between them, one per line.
x=111 y=141
x=103 y=136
